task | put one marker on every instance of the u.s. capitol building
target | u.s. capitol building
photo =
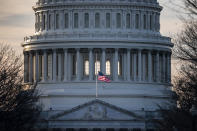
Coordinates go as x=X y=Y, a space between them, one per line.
x=74 y=39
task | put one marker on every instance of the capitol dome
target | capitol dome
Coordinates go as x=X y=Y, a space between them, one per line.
x=76 y=39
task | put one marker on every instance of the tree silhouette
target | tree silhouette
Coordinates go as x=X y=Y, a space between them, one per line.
x=18 y=108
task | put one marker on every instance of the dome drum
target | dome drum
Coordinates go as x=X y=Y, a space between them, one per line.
x=87 y=19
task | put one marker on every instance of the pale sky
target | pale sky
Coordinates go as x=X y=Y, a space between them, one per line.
x=17 y=20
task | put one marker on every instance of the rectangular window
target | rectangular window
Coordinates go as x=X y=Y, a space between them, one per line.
x=57 y=21
x=66 y=20
x=108 y=20
x=97 y=20
x=128 y=21
x=76 y=23
x=118 y=20
x=86 y=20
x=137 y=21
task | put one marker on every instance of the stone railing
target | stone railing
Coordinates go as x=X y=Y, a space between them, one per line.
x=43 y=2
x=97 y=36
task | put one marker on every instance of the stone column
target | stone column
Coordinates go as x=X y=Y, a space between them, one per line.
x=158 y=21
x=116 y=65
x=65 y=65
x=148 y=19
x=128 y=64
x=54 y=65
x=164 y=67
x=42 y=21
x=141 y=20
x=30 y=67
x=70 y=19
x=45 y=66
x=69 y=76
x=59 y=67
x=78 y=73
x=47 y=20
x=124 y=19
x=125 y=67
x=113 y=21
x=133 y=19
x=157 y=67
x=144 y=66
x=37 y=66
x=154 y=22
x=135 y=66
x=150 y=71
x=169 y=69
x=139 y=65
x=103 y=69
x=26 y=67
x=91 y=63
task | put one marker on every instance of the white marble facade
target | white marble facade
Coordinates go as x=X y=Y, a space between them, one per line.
x=124 y=36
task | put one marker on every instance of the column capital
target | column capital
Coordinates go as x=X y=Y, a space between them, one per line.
x=103 y=49
x=116 y=49
x=45 y=50
x=25 y=52
x=54 y=50
x=77 y=49
x=37 y=51
x=139 y=49
x=128 y=49
x=150 y=50
x=65 y=49
x=90 y=49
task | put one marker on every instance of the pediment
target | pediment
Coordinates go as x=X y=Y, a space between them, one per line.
x=95 y=110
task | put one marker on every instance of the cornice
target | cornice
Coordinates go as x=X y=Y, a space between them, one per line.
x=98 y=6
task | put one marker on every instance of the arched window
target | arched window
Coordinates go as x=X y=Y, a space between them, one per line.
x=86 y=68
x=137 y=21
x=97 y=67
x=128 y=21
x=76 y=23
x=118 y=20
x=57 y=21
x=86 y=20
x=145 y=26
x=97 y=20
x=108 y=20
x=66 y=20
x=108 y=67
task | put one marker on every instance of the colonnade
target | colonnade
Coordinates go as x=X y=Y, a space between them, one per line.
x=126 y=65
x=79 y=19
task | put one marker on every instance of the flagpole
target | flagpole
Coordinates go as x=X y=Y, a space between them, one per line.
x=96 y=78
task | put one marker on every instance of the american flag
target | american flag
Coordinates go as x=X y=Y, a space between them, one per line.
x=103 y=78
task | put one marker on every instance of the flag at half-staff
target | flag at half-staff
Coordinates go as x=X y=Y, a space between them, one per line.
x=103 y=78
